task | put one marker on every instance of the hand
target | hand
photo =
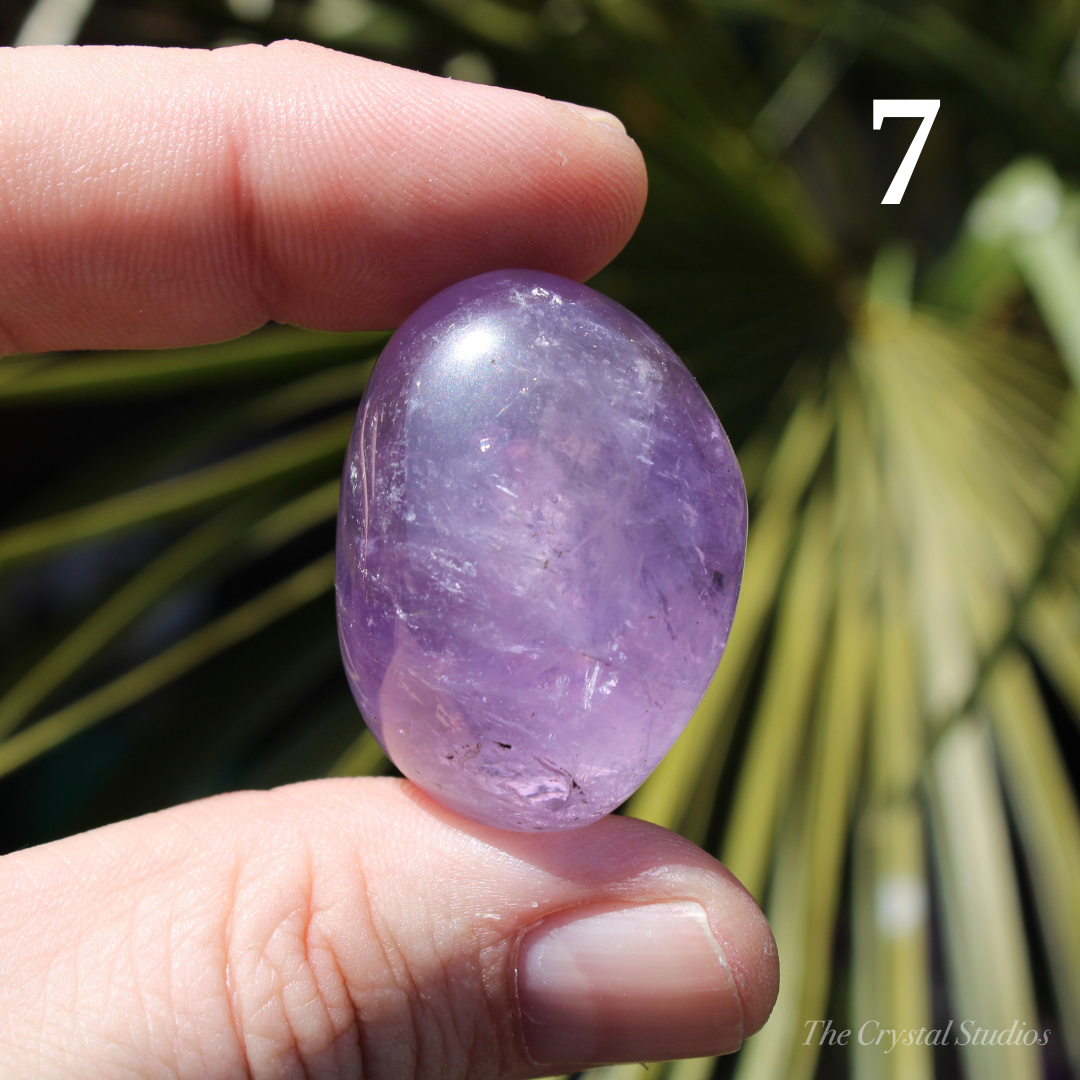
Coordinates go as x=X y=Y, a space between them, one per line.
x=344 y=928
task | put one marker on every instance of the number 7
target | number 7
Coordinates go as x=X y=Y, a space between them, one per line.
x=927 y=108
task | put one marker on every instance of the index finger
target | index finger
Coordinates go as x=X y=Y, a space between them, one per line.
x=161 y=197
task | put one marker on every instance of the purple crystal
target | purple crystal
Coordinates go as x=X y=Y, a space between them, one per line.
x=540 y=546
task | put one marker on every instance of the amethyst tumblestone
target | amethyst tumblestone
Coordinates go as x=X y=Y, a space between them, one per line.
x=540 y=546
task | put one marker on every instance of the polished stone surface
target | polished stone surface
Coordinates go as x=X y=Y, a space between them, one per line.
x=540 y=546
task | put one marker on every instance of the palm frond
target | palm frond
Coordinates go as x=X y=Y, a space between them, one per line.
x=317 y=449
x=299 y=589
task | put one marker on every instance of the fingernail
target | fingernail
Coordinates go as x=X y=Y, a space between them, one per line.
x=597 y=116
x=612 y=984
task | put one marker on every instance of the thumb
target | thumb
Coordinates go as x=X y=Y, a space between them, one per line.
x=353 y=928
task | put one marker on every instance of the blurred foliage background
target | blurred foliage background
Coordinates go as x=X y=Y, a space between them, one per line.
x=889 y=755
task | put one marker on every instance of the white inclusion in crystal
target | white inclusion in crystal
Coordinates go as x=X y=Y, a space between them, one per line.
x=647 y=373
x=561 y=683
x=590 y=686
x=485 y=445
x=554 y=789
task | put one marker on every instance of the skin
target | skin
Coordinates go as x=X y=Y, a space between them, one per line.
x=167 y=197
x=340 y=928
